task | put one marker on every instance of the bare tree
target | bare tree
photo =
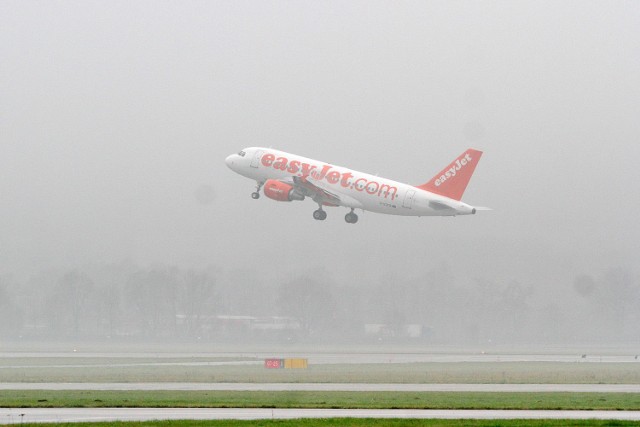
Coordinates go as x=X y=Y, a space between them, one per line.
x=152 y=296
x=11 y=316
x=68 y=303
x=308 y=301
x=196 y=295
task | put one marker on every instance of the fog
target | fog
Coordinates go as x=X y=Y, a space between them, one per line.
x=119 y=218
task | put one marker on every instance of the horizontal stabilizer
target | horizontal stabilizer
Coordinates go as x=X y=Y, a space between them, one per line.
x=439 y=206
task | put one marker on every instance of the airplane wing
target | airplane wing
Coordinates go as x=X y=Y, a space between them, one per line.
x=316 y=192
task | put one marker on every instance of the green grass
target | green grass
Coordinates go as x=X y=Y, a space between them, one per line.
x=33 y=362
x=324 y=399
x=354 y=422
x=466 y=372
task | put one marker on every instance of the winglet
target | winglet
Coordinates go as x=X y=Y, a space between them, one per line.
x=452 y=180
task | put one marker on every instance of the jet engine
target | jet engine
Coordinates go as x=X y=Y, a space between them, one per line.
x=281 y=191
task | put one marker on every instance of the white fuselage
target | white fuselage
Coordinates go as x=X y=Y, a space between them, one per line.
x=356 y=190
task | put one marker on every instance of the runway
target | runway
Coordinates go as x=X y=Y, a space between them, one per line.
x=40 y=415
x=507 y=388
x=316 y=358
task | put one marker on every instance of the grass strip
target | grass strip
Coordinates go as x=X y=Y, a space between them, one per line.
x=353 y=422
x=34 y=362
x=412 y=373
x=318 y=399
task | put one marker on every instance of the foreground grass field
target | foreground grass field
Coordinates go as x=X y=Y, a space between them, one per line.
x=351 y=422
x=206 y=369
x=309 y=399
x=101 y=370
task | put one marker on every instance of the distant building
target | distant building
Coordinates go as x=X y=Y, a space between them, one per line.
x=383 y=330
x=238 y=325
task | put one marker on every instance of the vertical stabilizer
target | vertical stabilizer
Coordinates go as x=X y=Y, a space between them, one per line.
x=452 y=180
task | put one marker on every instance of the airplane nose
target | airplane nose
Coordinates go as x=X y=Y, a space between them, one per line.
x=229 y=160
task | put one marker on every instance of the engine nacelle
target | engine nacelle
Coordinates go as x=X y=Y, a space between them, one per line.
x=281 y=191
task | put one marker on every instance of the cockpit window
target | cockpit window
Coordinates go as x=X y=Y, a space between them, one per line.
x=241 y=154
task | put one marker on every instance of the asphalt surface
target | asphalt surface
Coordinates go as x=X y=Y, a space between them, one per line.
x=325 y=358
x=31 y=415
x=595 y=388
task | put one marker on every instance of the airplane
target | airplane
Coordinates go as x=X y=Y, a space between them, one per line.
x=286 y=177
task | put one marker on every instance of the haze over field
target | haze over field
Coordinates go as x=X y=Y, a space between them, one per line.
x=116 y=118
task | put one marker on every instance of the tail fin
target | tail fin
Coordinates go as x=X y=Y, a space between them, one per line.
x=452 y=180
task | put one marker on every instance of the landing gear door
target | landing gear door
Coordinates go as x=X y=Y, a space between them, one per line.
x=408 y=199
x=256 y=159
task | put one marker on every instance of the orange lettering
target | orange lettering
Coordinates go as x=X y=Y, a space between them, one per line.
x=281 y=163
x=267 y=159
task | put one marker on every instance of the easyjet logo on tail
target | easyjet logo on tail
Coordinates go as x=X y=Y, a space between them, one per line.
x=327 y=173
x=459 y=164
x=452 y=180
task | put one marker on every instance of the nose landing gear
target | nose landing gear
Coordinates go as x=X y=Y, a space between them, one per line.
x=256 y=194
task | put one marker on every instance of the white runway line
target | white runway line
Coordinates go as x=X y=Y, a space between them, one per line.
x=38 y=415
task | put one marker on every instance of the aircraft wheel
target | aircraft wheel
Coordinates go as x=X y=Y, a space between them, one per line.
x=351 y=218
x=320 y=215
x=255 y=195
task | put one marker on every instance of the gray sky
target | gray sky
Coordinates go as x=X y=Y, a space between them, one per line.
x=116 y=117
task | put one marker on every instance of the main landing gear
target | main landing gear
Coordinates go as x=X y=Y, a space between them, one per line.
x=319 y=214
x=351 y=217
x=256 y=194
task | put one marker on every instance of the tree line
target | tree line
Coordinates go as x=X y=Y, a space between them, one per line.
x=125 y=301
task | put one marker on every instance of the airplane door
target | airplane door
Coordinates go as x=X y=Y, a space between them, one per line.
x=256 y=159
x=408 y=199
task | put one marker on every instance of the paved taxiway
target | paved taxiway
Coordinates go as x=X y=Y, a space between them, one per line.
x=318 y=358
x=30 y=415
x=583 y=388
